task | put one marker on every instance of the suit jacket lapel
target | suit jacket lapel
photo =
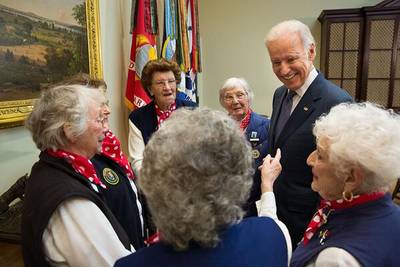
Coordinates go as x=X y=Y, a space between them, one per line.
x=303 y=110
x=275 y=115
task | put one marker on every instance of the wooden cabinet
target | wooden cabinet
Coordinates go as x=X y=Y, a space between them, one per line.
x=360 y=51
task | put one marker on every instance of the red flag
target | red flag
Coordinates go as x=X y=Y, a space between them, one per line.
x=142 y=50
x=195 y=51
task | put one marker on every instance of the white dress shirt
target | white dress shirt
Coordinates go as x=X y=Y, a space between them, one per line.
x=135 y=148
x=302 y=90
x=79 y=234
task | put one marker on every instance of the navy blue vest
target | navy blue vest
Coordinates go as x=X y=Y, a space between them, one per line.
x=120 y=198
x=53 y=181
x=370 y=232
x=254 y=242
x=145 y=118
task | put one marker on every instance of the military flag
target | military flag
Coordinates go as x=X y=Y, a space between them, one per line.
x=143 y=49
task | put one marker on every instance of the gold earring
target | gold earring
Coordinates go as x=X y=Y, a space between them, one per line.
x=347 y=196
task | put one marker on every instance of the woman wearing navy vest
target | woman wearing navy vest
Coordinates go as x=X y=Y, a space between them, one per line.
x=65 y=220
x=357 y=158
x=197 y=207
x=236 y=97
x=159 y=78
x=113 y=169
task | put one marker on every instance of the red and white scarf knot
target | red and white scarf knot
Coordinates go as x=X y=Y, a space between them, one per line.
x=79 y=163
x=111 y=148
x=246 y=120
x=163 y=115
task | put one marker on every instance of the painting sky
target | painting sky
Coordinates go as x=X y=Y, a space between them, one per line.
x=51 y=9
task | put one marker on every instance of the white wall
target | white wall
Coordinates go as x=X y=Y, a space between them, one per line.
x=17 y=154
x=233 y=34
x=232 y=45
x=115 y=41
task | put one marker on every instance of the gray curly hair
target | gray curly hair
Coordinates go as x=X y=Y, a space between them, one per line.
x=58 y=106
x=196 y=175
x=363 y=135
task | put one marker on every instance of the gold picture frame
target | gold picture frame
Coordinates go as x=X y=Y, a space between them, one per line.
x=13 y=113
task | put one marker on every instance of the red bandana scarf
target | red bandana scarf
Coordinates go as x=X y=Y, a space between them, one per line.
x=111 y=148
x=80 y=164
x=246 y=120
x=155 y=238
x=163 y=115
x=326 y=207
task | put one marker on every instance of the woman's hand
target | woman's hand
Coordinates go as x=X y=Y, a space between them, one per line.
x=270 y=170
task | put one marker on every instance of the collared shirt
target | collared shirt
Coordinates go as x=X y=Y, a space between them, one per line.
x=302 y=90
x=78 y=228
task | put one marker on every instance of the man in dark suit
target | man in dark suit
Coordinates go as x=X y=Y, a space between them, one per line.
x=304 y=96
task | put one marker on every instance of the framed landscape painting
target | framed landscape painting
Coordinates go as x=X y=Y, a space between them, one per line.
x=43 y=42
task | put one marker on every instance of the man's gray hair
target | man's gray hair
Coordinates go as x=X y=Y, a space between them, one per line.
x=363 y=135
x=291 y=27
x=58 y=106
x=196 y=175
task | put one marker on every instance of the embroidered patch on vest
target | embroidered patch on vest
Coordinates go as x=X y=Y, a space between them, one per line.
x=110 y=176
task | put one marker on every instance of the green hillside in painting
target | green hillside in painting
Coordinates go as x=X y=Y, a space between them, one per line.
x=36 y=52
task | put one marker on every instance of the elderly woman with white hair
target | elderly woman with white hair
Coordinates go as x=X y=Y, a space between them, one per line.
x=236 y=97
x=356 y=160
x=65 y=220
x=114 y=171
x=197 y=207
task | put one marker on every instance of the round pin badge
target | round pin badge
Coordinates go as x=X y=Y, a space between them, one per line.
x=255 y=153
x=110 y=176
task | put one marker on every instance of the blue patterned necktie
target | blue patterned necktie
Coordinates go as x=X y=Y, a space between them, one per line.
x=285 y=112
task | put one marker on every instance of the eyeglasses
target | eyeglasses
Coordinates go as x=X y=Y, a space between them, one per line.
x=162 y=84
x=238 y=96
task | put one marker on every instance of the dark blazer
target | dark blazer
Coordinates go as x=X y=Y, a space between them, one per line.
x=296 y=202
